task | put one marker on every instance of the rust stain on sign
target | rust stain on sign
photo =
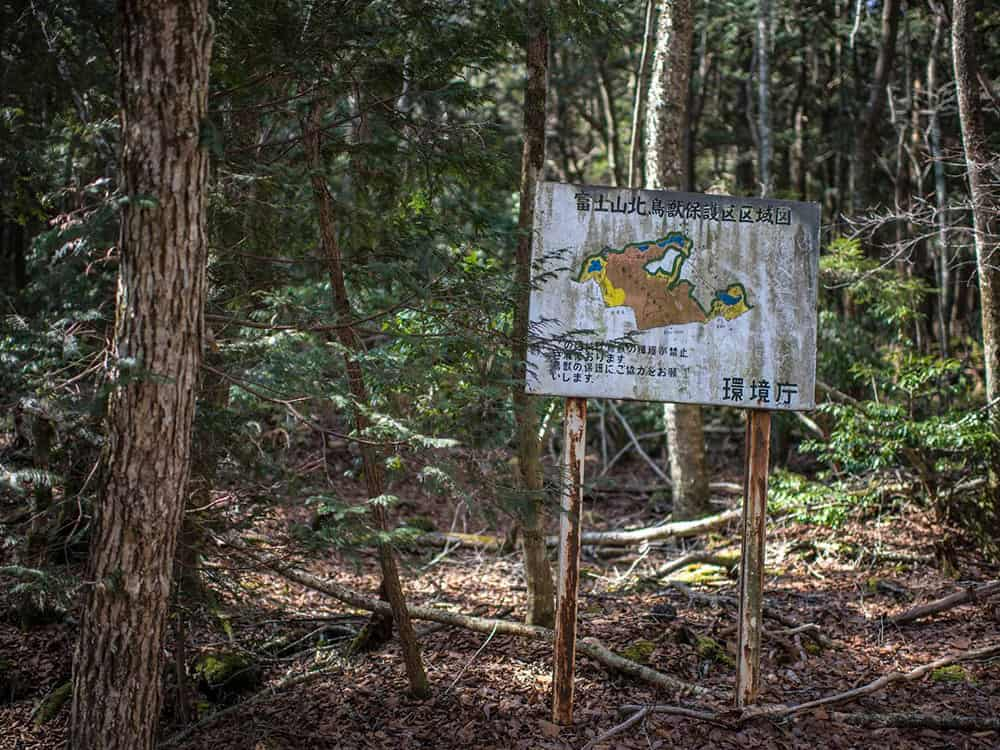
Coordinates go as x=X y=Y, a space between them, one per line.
x=660 y=296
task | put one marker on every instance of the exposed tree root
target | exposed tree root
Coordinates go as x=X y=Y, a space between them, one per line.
x=971 y=594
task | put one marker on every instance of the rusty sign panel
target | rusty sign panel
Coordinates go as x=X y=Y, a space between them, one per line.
x=661 y=296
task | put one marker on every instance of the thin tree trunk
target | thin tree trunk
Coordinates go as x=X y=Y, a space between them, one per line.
x=639 y=107
x=610 y=122
x=666 y=123
x=117 y=693
x=942 y=260
x=764 y=96
x=868 y=131
x=353 y=346
x=532 y=510
x=982 y=170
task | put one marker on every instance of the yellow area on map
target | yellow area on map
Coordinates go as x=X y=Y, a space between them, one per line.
x=595 y=271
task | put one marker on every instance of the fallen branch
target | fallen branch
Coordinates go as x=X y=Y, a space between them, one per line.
x=587 y=646
x=457 y=539
x=971 y=594
x=834 y=394
x=663 y=531
x=919 y=721
x=676 y=529
x=287 y=682
x=720 y=558
x=780 y=711
x=770 y=611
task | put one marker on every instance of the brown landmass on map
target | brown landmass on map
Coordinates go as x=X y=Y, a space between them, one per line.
x=652 y=298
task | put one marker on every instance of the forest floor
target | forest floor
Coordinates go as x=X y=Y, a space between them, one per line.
x=495 y=692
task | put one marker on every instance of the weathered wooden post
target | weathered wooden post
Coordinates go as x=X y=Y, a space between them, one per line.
x=758 y=450
x=570 y=514
x=658 y=296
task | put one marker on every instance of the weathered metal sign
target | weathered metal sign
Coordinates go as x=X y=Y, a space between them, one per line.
x=661 y=296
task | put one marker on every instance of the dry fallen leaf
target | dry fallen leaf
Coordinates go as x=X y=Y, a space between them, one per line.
x=549 y=729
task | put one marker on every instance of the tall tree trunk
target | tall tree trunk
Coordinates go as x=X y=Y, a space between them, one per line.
x=868 y=132
x=353 y=346
x=764 y=96
x=943 y=258
x=982 y=167
x=532 y=511
x=165 y=51
x=666 y=123
x=667 y=107
x=639 y=105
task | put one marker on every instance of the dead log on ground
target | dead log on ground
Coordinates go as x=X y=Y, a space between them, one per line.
x=971 y=594
x=674 y=530
x=919 y=721
x=587 y=646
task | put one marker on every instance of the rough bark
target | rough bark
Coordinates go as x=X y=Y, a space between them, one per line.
x=982 y=167
x=868 y=132
x=686 y=451
x=165 y=51
x=531 y=511
x=666 y=123
x=353 y=346
x=666 y=108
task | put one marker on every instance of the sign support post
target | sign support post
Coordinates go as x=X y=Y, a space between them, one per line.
x=758 y=449
x=570 y=514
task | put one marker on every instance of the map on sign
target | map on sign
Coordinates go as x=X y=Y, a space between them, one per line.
x=648 y=278
x=660 y=296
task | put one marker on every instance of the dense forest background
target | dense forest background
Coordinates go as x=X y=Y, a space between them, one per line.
x=362 y=351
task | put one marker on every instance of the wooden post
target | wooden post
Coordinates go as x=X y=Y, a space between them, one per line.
x=758 y=449
x=570 y=511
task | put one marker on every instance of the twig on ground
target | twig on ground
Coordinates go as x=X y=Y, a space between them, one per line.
x=470 y=661
x=971 y=594
x=618 y=728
